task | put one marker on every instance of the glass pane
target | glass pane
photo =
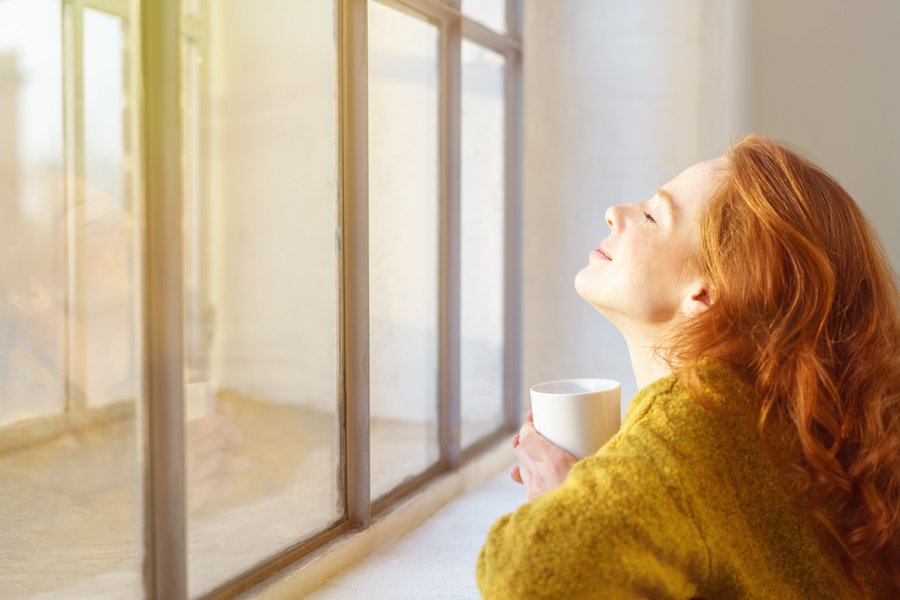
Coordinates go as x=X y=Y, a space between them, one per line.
x=107 y=266
x=32 y=259
x=403 y=245
x=261 y=304
x=482 y=240
x=70 y=470
x=489 y=12
x=190 y=7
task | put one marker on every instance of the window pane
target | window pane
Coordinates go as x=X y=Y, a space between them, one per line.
x=482 y=265
x=32 y=259
x=190 y=7
x=70 y=477
x=107 y=268
x=489 y=12
x=261 y=299
x=403 y=245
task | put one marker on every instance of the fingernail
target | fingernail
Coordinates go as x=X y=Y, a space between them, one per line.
x=516 y=441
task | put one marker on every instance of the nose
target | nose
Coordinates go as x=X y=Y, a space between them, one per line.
x=614 y=217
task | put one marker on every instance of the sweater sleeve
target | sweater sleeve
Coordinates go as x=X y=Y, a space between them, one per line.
x=619 y=526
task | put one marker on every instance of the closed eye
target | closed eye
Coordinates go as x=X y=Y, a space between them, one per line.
x=649 y=217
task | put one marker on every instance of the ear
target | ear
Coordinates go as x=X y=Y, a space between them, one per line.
x=697 y=300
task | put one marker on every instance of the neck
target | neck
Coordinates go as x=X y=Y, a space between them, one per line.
x=645 y=361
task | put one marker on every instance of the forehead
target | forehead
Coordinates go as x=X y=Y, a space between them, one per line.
x=693 y=187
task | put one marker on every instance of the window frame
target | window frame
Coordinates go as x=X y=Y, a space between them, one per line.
x=155 y=33
x=352 y=56
x=453 y=26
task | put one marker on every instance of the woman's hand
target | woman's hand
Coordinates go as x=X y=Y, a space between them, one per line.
x=544 y=466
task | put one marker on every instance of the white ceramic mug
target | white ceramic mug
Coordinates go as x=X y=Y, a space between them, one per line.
x=578 y=415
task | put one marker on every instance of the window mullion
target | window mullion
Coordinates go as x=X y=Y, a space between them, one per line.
x=512 y=336
x=487 y=37
x=450 y=93
x=353 y=93
x=73 y=119
x=165 y=538
x=514 y=19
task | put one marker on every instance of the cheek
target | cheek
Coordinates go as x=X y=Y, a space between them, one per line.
x=642 y=253
x=649 y=282
x=653 y=263
x=639 y=267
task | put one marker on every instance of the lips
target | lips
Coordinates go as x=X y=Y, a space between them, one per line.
x=600 y=254
x=601 y=250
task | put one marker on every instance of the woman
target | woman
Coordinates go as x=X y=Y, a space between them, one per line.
x=760 y=457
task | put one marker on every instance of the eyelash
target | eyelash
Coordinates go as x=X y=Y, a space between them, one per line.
x=649 y=217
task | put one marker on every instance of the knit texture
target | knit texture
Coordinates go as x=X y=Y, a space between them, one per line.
x=681 y=503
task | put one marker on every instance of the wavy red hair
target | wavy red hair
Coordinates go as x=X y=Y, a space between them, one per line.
x=806 y=305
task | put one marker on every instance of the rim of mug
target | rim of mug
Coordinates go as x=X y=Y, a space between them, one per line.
x=606 y=385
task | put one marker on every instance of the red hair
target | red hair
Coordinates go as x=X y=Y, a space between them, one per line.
x=807 y=307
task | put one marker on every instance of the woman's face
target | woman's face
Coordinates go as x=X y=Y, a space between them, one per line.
x=644 y=270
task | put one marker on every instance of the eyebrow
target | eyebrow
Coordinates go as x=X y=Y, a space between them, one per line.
x=670 y=200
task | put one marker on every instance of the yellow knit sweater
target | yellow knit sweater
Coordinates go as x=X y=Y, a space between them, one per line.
x=681 y=503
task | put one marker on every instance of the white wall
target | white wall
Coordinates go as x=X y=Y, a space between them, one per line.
x=621 y=95
x=825 y=75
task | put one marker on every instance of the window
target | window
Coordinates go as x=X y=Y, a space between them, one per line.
x=259 y=98
x=70 y=289
x=484 y=264
x=404 y=245
x=262 y=281
x=491 y=13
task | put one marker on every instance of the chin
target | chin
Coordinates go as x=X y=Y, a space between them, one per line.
x=581 y=283
x=586 y=288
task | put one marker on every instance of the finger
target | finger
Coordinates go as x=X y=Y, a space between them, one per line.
x=519 y=436
x=525 y=475
x=530 y=417
x=525 y=430
x=526 y=433
x=536 y=445
x=515 y=475
x=527 y=460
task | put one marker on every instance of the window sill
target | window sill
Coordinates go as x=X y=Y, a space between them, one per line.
x=350 y=549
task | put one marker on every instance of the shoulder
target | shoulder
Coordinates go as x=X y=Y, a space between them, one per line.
x=713 y=385
x=672 y=419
